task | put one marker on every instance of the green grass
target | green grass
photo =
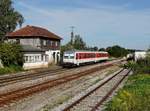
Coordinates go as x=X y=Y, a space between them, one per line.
x=135 y=96
x=10 y=69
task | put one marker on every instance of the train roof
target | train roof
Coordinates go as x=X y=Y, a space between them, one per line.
x=74 y=51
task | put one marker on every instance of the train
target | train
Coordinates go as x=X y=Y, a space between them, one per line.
x=77 y=57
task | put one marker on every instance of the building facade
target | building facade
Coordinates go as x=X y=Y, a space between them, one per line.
x=39 y=45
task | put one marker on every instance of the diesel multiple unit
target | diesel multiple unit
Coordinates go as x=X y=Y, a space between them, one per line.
x=76 y=58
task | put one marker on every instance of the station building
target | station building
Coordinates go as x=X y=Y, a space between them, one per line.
x=40 y=46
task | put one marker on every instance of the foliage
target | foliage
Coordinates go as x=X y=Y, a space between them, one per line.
x=117 y=51
x=102 y=49
x=10 y=69
x=141 y=66
x=10 y=54
x=95 y=48
x=135 y=96
x=78 y=44
x=9 y=18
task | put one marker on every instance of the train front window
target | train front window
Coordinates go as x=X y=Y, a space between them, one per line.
x=71 y=57
x=66 y=57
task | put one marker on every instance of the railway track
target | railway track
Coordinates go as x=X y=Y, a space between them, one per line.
x=24 y=77
x=9 y=97
x=95 y=97
x=6 y=80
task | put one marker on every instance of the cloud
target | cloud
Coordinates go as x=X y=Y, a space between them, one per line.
x=106 y=25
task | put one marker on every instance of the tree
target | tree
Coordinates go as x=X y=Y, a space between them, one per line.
x=68 y=46
x=9 y=18
x=10 y=54
x=95 y=48
x=117 y=51
x=102 y=49
x=79 y=43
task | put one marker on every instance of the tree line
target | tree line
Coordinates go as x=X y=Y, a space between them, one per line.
x=79 y=44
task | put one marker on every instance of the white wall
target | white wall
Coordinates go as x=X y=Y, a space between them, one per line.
x=50 y=56
x=35 y=65
x=139 y=55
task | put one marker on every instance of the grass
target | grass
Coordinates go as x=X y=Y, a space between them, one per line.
x=135 y=96
x=10 y=69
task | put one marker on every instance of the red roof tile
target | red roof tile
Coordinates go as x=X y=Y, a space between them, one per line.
x=33 y=31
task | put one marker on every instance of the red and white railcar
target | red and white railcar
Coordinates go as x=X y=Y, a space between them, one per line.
x=82 y=57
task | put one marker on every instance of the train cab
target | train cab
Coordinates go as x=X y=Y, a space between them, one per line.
x=69 y=57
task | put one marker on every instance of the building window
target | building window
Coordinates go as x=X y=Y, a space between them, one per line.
x=18 y=41
x=44 y=42
x=37 y=59
x=34 y=58
x=48 y=42
x=42 y=57
x=56 y=43
x=53 y=43
x=26 y=58
x=30 y=59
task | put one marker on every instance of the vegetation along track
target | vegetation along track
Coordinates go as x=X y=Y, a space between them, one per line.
x=92 y=100
x=9 y=97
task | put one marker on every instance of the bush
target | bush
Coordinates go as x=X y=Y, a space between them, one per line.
x=10 y=69
x=135 y=96
x=117 y=51
x=10 y=54
x=140 y=66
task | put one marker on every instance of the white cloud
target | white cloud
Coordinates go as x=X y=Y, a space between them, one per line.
x=113 y=25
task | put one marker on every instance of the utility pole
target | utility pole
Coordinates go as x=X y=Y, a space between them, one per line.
x=72 y=34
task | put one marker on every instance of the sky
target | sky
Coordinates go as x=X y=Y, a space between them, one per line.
x=100 y=23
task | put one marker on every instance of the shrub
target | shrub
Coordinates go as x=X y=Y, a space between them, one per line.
x=135 y=96
x=10 y=69
x=10 y=54
x=117 y=51
x=140 y=66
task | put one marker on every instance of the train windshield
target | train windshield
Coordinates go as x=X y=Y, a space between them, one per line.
x=66 y=57
x=71 y=57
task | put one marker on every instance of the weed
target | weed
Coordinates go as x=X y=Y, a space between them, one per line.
x=10 y=69
x=135 y=96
